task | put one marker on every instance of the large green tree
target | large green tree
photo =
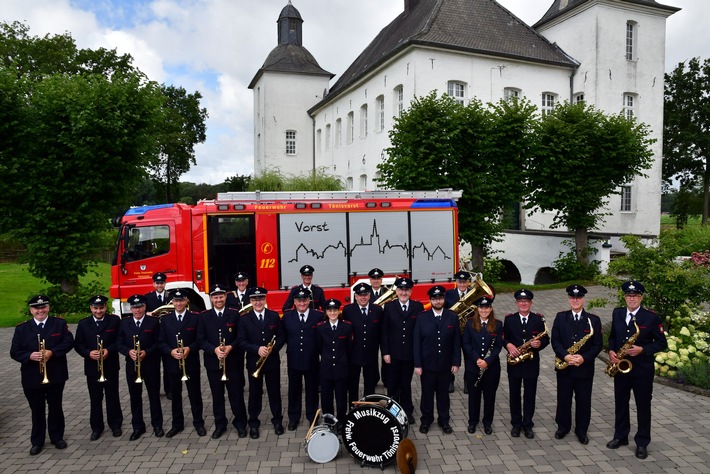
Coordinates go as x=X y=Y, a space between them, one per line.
x=78 y=129
x=581 y=157
x=686 y=127
x=440 y=143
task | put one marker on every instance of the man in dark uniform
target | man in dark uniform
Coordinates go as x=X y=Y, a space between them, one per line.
x=302 y=357
x=437 y=354
x=261 y=336
x=375 y=293
x=101 y=329
x=25 y=349
x=178 y=339
x=224 y=362
x=144 y=330
x=519 y=328
x=580 y=331
x=317 y=293
x=646 y=326
x=159 y=297
x=366 y=319
x=237 y=299
x=400 y=317
x=463 y=280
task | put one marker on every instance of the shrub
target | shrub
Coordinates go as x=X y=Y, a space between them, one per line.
x=63 y=304
x=568 y=268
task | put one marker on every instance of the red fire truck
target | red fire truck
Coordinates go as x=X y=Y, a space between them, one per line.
x=271 y=235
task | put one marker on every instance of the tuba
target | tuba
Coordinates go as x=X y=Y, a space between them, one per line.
x=386 y=297
x=464 y=307
x=624 y=366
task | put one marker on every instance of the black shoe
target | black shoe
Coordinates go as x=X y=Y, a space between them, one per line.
x=137 y=434
x=451 y=387
x=559 y=434
x=584 y=439
x=615 y=443
x=471 y=429
x=279 y=429
x=515 y=432
x=35 y=450
x=159 y=433
x=412 y=420
x=172 y=432
x=292 y=426
x=201 y=431
x=424 y=429
x=254 y=433
x=529 y=434
x=242 y=432
x=641 y=452
x=61 y=444
x=95 y=435
x=168 y=395
x=116 y=432
x=218 y=432
x=488 y=430
x=446 y=428
x=465 y=386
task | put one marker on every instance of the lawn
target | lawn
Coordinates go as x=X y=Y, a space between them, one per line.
x=16 y=285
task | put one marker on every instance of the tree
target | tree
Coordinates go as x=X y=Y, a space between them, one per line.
x=183 y=126
x=439 y=143
x=582 y=156
x=686 y=126
x=78 y=128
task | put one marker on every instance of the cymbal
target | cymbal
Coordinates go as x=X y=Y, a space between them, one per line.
x=406 y=457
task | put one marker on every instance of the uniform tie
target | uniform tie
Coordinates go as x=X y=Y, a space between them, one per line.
x=219 y=315
x=138 y=324
x=525 y=327
x=303 y=318
x=41 y=326
x=404 y=308
x=334 y=326
x=576 y=317
x=160 y=298
x=364 y=312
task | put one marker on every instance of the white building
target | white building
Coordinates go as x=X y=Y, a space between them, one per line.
x=609 y=53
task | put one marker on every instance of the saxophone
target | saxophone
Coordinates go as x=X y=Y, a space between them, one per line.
x=525 y=348
x=624 y=366
x=560 y=364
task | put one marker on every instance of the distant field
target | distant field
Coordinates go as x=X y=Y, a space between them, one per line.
x=16 y=284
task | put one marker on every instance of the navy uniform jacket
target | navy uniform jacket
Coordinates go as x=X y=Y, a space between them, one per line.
x=477 y=344
x=398 y=329
x=209 y=328
x=148 y=335
x=437 y=344
x=564 y=336
x=235 y=302
x=85 y=342
x=451 y=297
x=57 y=338
x=152 y=302
x=334 y=349
x=651 y=338
x=367 y=333
x=317 y=298
x=251 y=335
x=301 y=340
x=374 y=297
x=513 y=334
x=169 y=328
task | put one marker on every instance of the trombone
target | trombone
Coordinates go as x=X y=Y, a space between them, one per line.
x=100 y=361
x=43 y=360
x=181 y=361
x=223 y=360
x=137 y=350
x=262 y=360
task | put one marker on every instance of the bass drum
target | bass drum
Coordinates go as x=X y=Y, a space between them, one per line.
x=323 y=445
x=372 y=433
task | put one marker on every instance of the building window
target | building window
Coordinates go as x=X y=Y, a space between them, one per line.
x=626 y=198
x=318 y=139
x=548 y=103
x=629 y=106
x=398 y=101
x=380 y=104
x=630 y=40
x=578 y=98
x=349 y=183
x=290 y=142
x=363 y=181
x=510 y=93
x=363 y=121
x=338 y=133
x=351 y=127
x=327 y=137
x=457 y=91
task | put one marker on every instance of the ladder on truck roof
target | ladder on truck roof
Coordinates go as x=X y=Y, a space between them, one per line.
x=337 y=195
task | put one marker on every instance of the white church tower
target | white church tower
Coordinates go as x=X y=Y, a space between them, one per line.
x=285 y=87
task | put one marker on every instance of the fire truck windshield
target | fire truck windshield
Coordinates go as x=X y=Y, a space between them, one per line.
x=147 y=242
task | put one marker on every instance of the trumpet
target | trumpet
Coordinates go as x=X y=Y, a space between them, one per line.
x=223 y=360
x=262 y=360
x=43 y=361
x=181 y=361
x=100 y=361
x=137 y=350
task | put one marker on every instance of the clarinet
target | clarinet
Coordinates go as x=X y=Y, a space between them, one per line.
x=483 y=370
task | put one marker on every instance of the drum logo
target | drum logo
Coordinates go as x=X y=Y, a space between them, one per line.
x=370 y=443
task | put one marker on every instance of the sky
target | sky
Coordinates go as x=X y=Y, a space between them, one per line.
x=217 y=46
